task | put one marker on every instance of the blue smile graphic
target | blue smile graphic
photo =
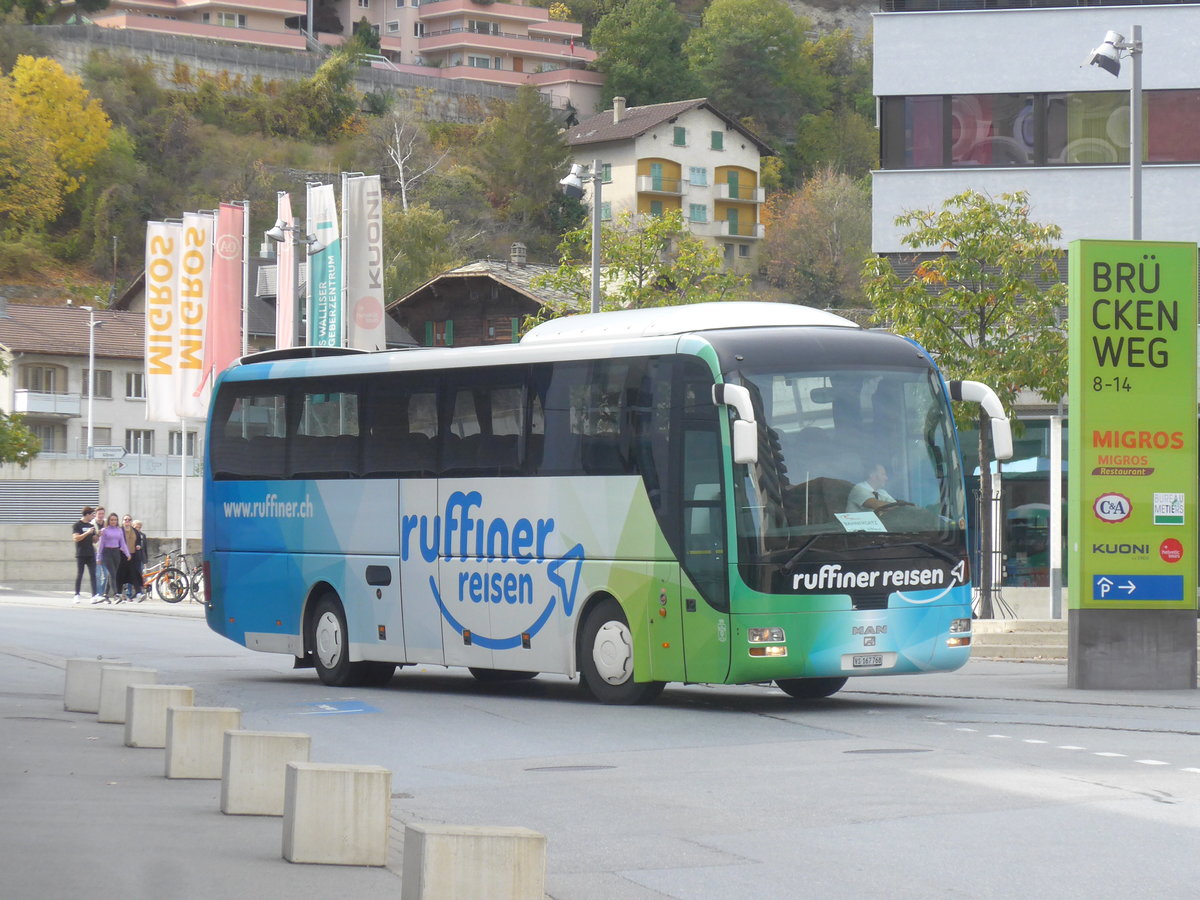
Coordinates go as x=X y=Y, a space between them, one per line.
x=567 y=594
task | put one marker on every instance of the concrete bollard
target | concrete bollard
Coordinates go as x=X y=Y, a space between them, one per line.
x=254 y=770
x=146 y=712
x=81 y=692
x=113 y=682
x=337 y=814
x=459 y=862
x=196 y=739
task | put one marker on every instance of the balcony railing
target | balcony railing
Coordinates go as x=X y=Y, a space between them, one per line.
x=44 y=403
x=558 y=41
x=657 y=184
x=742 y=230
x=741 y=194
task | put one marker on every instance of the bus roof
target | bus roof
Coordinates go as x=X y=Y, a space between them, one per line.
x=670 y=320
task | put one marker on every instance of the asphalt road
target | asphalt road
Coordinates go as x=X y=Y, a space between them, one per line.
x=996 y=781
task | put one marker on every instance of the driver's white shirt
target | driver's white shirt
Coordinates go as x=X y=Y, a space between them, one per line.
x=862 y=492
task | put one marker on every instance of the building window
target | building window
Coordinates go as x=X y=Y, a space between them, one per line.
x=103 y=384
x=439 y=334
x=656 y=208
x=139 y=441
x=502 y=330
x=479 y=62
x=743 y=250
x=698 y=213
x=135 y=386
x=393 y=27
x=418 y=29
x=680 y=139
x=174 y=442
x=605 y=211
x=226 y=19
x=698 y=176
x=364 y=4
x=101 y=435
x=44 y=379
x=414 y=3
x=718 y=140
x=478 y=26
x=52 y=437
x=606 y=173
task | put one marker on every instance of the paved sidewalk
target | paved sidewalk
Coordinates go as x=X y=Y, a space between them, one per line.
x=66 y=600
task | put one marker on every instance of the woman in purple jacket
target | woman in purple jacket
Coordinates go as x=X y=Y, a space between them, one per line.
x=109 y=548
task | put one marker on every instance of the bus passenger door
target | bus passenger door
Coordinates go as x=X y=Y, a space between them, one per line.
x=665 y=624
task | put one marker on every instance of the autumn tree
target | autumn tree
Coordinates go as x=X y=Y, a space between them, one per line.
x=645 y=261
x=424 y=244
x=817 y=240
x=983 y=303
x=640 y=47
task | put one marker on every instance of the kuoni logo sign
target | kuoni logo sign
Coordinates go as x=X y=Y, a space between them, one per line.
x=1132 y=437
x=1112 y=507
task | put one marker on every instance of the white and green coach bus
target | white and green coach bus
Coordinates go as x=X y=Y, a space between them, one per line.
x=639 y=497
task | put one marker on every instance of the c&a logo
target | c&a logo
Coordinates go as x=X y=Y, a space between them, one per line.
x=1112 y=507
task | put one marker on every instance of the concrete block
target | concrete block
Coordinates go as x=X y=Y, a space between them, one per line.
x=336 y=814
x=113 y=682
x=82 y=690
x=196 y=739
x=146 y=712
x=1132 y=649
x=254 y=770
x=461 y=862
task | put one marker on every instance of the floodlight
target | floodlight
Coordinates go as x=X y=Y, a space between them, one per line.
x=572 y=184
x=1108 y=55
x=278 y=231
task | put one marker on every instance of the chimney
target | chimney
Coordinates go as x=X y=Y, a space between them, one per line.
x=516 y=254
x=618 y=109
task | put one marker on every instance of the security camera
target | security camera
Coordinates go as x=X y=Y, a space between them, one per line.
x=1108 y=55
x=572 y=185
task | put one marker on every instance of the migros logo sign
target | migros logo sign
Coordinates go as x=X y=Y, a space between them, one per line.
x=1138 y=440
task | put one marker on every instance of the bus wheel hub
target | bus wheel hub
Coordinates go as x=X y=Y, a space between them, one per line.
x=613 y=652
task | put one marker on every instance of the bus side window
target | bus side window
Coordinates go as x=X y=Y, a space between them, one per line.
x=249 y=436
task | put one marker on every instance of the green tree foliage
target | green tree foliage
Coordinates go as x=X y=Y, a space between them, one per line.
x=423 y=243
x=520 y=156
x=817 y=240
x=645 y=261
x=30 y=193
x=984 y=306
x=750 y=60
x=15 y=39
x=17 y=443
x=641 y=53
x=40 y=12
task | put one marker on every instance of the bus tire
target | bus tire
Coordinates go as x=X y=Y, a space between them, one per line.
x=496 y=676
x=606 y=658
x=810 y=688
x=331 y=653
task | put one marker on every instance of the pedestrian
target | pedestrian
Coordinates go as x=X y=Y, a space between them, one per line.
x=101 y=574
x=112 y=547
x=127 y=586
x=82 y=533
x=137 y=561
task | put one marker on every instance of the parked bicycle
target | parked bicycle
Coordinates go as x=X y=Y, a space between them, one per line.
x=181 y=580
x=150 y=575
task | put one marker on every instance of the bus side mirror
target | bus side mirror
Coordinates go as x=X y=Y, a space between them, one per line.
x=977 y=392
x=745 y=428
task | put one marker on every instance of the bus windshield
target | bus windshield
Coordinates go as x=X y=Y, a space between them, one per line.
x=853 y=457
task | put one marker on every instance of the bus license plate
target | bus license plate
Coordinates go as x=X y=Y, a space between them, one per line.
x=867 y=660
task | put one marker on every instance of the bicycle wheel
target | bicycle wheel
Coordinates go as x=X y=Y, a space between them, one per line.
x=172 y=584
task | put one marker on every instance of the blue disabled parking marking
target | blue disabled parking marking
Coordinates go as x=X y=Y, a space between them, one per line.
x=335 y=708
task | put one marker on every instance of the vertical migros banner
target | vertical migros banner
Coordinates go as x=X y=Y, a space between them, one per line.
x=223 y=344
x=325 y=325
x=1132 y=438
x=192 y=300
x=362 y=237
x=285 y=276
x=163 y=241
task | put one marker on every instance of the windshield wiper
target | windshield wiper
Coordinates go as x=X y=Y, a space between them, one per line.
x=802 y=550
x=931 y=549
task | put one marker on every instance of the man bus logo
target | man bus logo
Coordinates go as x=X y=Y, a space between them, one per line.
x=1112 y=507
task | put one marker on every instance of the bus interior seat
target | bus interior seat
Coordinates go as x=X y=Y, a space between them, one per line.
x=324 y=456
x=601 y=454
x=265 y=457
x=816 y=500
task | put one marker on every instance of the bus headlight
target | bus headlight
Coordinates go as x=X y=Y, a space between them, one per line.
x=770 y=650
x=958 y=626
x=765 y=635
x=960 y=635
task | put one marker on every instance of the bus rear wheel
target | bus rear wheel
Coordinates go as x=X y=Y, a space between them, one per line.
x=331 y=654
x=606 y=658
x=810 y=688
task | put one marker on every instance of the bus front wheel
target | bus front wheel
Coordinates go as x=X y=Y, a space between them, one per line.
x=331 y=654
x=606 y=658
x=810 y=688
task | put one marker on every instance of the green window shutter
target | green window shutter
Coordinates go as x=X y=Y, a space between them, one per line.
x=656 y=208
x=428 y=334
x=516 y=326
x=449 y=332
x=718 y=140
x=732 y=178
x=680 y=136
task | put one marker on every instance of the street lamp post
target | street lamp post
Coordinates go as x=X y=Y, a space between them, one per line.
x=1108 y=57
x=573 y=187
x=92 y=326
x=290 y=232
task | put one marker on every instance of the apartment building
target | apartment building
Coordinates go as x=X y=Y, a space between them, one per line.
x=687 y=156
x=470 y=40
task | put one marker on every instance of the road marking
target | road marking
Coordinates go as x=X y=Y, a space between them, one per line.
x=1109 y=753
x=1070 y=747
x=966 y=729
x=1152 y=762
x=1192 y=770
x=1035 y=741
x=1000 y=737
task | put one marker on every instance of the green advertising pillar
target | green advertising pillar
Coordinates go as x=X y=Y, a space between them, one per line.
x=1132 y=459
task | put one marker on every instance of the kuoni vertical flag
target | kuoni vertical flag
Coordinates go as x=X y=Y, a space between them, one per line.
x=193 y=296
x=285 y=278
x=325 y=308
x=163 y=243
x=223 y=344
x=362 y=237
